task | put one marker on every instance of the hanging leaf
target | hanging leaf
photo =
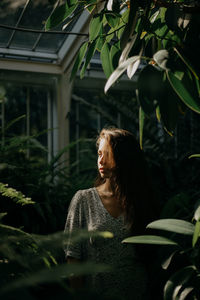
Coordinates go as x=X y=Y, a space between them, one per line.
x=95 y=27
x=167 y=261
x=173 y=225
x=168 y=108
x=106 y=60
x=79 y=60
x=119 y=71
x=60 y=14
x=90 y=53
x=112 y=19
x=196 y=233
x=197 y=214
x=132 y=68
x=183 y=92
x=115 y=53
x=149 y=239
x=176 y=281
x=161 y=58
x=110 y=4
x=141 y=124
x=101 y=39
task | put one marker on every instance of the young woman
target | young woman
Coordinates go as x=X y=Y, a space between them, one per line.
x=120 y=202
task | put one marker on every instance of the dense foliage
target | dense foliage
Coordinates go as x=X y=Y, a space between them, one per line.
x=163 y=36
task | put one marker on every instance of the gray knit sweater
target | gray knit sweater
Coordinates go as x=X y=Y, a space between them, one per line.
x=128 y=278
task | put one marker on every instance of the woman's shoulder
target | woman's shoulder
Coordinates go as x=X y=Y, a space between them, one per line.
x=84 y=195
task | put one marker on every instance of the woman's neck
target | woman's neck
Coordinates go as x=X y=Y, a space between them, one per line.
x=107 y=187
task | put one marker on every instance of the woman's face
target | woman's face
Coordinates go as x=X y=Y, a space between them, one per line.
x=106 y=162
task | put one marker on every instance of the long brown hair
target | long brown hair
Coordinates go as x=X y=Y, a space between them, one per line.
x=131 y=179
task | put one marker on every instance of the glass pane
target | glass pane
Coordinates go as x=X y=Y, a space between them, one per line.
x=50 y=42
x=23 y=40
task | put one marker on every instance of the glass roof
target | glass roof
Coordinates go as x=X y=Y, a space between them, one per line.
x=22 y=33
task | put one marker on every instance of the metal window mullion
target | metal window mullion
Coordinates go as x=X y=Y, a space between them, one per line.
x=28 y=118
x=40 y=35
x=19 y=20
x=37 y=42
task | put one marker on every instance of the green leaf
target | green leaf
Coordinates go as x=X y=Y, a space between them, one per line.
x=176 y=282
x=90 y=4
x=115 y=53
x=141 y=124
x=119 y=71
x=197 y=214
x=183 y=93
x=101 y=39
x=112 y=19
x=196 y=233
x=106 y=60
x=173 y=225
x=79 y=60
x=89 y=55
x=95 y=27
x=149 y=239
x=60 y=14
x=194 y=155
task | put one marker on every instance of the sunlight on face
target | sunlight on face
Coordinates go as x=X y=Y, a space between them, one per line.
x=106 y=162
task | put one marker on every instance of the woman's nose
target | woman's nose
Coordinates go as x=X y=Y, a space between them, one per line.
x=101 y=159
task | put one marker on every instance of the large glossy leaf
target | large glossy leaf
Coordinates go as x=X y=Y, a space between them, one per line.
x=60 y=14
x=119 y=71
x=149 y=239
x=176 y=281
x=106 y=60
x=95 y=27
x=183 y=92
x=79 y=60
x=173 y=225
x=196 y=233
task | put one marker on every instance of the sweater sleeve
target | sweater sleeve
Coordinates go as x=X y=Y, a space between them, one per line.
x=73 y=223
